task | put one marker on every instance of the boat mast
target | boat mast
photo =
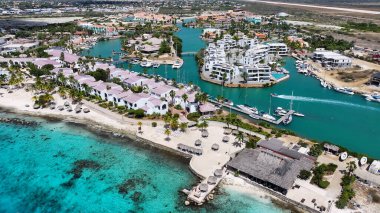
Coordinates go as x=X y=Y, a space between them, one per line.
x=291 y=102
x=270 y=103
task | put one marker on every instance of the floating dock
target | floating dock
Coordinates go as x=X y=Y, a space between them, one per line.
x=254 y=116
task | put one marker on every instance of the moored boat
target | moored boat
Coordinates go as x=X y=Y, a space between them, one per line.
x=344 y=90
x=177 y=64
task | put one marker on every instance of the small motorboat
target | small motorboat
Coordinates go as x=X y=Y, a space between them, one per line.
x=298 y=114
x=156 y=65
x=177 y=64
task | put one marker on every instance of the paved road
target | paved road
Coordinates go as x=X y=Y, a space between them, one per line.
x=320 y=7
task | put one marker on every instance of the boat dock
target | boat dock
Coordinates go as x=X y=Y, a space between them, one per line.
x=203 y=190
x=257 y=117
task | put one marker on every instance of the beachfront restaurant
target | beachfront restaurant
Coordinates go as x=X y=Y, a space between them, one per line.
x=276 y=170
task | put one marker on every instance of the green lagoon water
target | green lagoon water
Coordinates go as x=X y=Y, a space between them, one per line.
x=349 y=121
x=37 y=164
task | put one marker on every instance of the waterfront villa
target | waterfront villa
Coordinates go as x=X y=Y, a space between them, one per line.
x=332 y=59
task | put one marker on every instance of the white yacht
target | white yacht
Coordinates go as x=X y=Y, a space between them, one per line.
x=344 y=90
x=248 y=109
x=269 y=117
x=287 y=120
x=177 y=64
x=146 y=63
x=375 y=97
x=156 y=65
x=280 y=111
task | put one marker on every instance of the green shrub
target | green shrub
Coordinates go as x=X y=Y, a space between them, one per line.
x=323 y=184
x=304 y=174
x=154 y=124
x=193 y=116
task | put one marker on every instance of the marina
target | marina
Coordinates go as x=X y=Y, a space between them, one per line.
x=255 y=116
x=318 y=104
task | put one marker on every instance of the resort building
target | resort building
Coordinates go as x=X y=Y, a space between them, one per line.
x=258 y=73
x=271 y=165
x=228 y=58
x=224 y=72
x=332 y=59
x=280 y=49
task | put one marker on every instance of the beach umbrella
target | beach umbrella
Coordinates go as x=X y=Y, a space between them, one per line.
x=215 y=146
x=212 y=180
x=218 y=173
x=69 y=109
x=60 y=108
x=227 y=131
x=203 y=187
x=205 y=134
x=226 y=139
x=67 y=103
x=36 y=106
x=235 y=132
x=86 y=110
x=200 y=151
x=179 y=146
x=198 y=142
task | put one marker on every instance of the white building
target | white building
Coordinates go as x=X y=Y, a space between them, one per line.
x=332 y=59
x=258 y=73
x=375 y=167
x=278 y=49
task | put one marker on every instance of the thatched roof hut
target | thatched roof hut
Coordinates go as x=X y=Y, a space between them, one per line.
x=205 y=134
x=218 y=173
x=203 y=187
x=212 y=180
x=215 y=146
x=227 y=131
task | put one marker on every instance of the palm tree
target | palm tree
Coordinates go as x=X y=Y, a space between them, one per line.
x=203 y=125
x=87 y=89
x=244 y=75
x=351 y=166
x=139 y=124
x=167 y=119
x=167 y=133
x=172 y=95
x=183 y=127
x=62 y=92
x=240 y=137
x=61 y=78
x=201 y=97
x=184 y=98
x=237 y=122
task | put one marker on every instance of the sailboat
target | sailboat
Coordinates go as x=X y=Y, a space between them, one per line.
x=268 y=115
x=289 y=118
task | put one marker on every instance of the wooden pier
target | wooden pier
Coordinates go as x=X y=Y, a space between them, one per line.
x=254 y=116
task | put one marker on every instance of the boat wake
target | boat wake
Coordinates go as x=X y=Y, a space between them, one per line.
x=326 y=101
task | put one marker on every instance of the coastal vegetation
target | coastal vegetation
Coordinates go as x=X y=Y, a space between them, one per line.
x=329 y=43
x=234 y=120
x=347 y=190
x=320 y=171
x=362 y=26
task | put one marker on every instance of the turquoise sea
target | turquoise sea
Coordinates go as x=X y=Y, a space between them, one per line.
x=62 y=167
x=349 y=121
